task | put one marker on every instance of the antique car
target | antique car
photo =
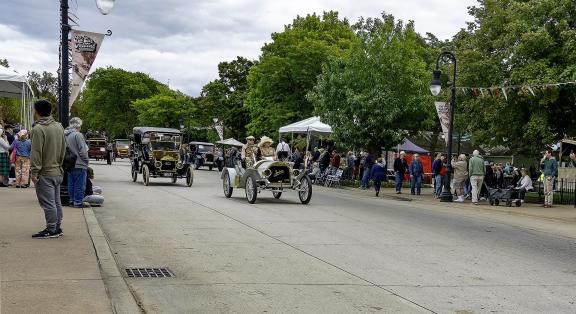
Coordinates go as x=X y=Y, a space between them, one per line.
x=97 y=148
x=121 y=148
x=203 y=154
x=267 y=175
x=154 y=153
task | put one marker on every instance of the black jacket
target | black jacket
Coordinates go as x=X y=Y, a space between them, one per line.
x=400 y=165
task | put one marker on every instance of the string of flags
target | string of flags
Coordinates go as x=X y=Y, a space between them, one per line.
x=505 y=91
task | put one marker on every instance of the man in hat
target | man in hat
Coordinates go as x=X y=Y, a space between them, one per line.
x=400 y=166
x=248 y=151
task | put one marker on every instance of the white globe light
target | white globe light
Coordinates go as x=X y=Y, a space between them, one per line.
x=435 y=89
x=105 y=6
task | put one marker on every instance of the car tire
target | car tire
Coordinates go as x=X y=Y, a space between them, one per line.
x=174 y=179
x=251 y=189
x=277 y=195
x=134 y=174
x=196 y=165
x=227 y=185
x=305 y=191
x=189 y=177
x=145 y=175
x=210 y=168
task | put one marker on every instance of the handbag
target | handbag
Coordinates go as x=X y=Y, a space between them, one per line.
x=13 y=155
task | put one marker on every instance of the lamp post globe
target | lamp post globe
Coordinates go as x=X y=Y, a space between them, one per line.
x=105 y=6
x=435 y=85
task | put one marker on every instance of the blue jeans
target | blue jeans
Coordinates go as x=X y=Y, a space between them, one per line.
x=416 y=185
x=76 y=186
x=365 y=178
x=399 y=178
x=438 y=184
x=467 y=187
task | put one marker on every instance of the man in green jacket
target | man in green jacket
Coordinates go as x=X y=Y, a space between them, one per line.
x=550 y=168
x=47 y=155
x=476 y=170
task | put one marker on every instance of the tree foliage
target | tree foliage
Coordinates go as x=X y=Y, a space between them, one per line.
x=106 y=101
x=515 y=42
x=379 y=91
x=288 y=70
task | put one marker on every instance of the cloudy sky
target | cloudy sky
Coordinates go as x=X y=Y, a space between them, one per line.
x=182 y=41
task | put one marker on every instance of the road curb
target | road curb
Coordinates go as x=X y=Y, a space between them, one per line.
x=119 y=293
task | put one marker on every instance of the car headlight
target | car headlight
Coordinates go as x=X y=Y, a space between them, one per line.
x=296 y=172
x=158 y=164
x=179 y=165
x=102 y=149
x=267 y=173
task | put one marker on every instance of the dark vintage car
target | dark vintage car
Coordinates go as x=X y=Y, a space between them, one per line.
x=121 y=148
x=154 y=153
x=97 y=148
x=203 y=154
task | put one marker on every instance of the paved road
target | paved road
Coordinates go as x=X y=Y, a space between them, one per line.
x=342 y=253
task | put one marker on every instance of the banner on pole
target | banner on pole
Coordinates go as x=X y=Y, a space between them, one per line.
x=443 y=110
x=84 y=47
x=220 y=129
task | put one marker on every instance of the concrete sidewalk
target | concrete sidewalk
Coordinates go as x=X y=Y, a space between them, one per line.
x=564 y=213
x=46 y=275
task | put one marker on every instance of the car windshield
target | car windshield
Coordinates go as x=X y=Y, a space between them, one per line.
x=164 y=145
x=204 y=148
x=122 y=144
x=97 y=143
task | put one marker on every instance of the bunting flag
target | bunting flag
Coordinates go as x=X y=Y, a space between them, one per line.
x=84 y=47
x=506 y=91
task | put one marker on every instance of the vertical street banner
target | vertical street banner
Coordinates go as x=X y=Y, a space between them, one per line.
x=220 y=130
x=443 y=110
x=84 y=47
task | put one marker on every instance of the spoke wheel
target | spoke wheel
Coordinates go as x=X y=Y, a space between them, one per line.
x=174 y=179
x=145 y=175
x=227 y=186
x=277 y=195
x=189 y=177
x=251 y=190
x=134 y=174
x=305 y=193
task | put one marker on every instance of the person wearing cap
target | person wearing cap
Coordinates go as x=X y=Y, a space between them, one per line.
x=76 y=143
x=249 y=151
x=23 y=147
x=265 y=149
x=400 y=166
x=416 y=175
x=476 y=170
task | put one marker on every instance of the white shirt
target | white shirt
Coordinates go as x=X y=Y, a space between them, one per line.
x=526 y=183
x=283 y=147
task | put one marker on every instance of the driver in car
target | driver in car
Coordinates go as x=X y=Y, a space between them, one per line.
x=249 y=151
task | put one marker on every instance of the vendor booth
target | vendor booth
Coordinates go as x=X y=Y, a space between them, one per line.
x=15 y=85
x=410 y=149
x=311 y=127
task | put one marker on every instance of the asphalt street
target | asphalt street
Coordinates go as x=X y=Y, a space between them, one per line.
x=342 y=253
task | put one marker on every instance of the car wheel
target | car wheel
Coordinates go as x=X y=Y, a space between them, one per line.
x=210 y=168
x=277 y=195
x=518 y=203
x=227 y=185
x=134 y=174
x=491 y=202
x=196 y=165
x=251 y=189
x=189 y=177
x=220 y=168
x=174 y=179
x=305 y=192
x=496 y=202
x=145 y=175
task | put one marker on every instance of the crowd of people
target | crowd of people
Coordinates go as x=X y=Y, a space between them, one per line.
x=47 y=156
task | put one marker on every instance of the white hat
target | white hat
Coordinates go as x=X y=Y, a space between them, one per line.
x=265 y=139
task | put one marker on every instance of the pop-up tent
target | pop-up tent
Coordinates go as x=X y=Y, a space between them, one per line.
x=310 y=126
x=410 y=147
x=231 y=142
x=15 y=85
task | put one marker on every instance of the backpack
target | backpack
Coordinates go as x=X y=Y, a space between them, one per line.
x=69 y=162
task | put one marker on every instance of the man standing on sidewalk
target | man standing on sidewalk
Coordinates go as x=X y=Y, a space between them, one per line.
x=77 y=177
x=47 y=155
x=400 y=166
x=550 y=169
x=476 y=170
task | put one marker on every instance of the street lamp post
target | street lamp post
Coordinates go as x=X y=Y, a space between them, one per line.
x=435 y=88
x=63 y=105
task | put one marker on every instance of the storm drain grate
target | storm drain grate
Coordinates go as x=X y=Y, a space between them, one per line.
x=149 y=273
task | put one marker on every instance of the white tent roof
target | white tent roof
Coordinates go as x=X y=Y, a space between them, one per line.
x=311 y=125
x=231 y=142
x=12 y=84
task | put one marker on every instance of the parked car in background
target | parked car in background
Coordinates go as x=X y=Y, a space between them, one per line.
x=97 y=148
x=202 y=154
x=121 y=148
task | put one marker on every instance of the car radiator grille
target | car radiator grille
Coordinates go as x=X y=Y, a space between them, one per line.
x=279 y=174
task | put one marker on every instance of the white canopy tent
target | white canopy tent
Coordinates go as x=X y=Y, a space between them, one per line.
x=310 y=126
x=15 y=85
x=231 y=142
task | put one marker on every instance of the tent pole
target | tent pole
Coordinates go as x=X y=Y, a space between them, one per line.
x=292 y=145
x=307 y=147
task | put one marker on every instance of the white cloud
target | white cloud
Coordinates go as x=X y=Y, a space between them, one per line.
x=183 y=41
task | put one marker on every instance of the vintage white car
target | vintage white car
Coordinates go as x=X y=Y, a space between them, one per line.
x=267 y=175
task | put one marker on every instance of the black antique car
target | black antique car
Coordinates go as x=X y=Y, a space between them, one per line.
x=204 y=154
x=155 y=152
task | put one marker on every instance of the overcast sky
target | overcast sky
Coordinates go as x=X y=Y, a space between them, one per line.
x=182 y=41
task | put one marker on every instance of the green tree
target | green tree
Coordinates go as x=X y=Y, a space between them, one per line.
x=288 y=70
x=4 y=63
x=515 y=42
x=106 y=102
x=379 y=92
x=168 y=109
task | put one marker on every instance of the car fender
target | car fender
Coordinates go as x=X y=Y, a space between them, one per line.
x=231 y=174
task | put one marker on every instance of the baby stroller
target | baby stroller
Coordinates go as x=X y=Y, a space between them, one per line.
x=509 y=195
